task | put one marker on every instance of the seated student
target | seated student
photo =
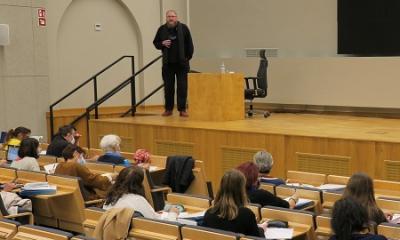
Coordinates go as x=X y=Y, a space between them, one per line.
x=111 y=147
x=261 y=196
x=28 y=153
x=12 y=202
x=361 y=188
x=350 y=221
x=64 y=137
x=15 y=136
x=142 y=158
x=128 y=192
x=96 y=184
x=264 y=161
x=229 y=211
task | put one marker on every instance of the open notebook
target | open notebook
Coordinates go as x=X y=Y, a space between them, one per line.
x=38 y=188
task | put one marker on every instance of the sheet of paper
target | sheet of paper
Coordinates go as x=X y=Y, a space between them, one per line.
x=50 y=168
x=191 y=215
x=279 y=233
x=332 y=186
x=395 y=218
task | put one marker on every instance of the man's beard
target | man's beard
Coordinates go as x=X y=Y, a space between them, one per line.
x=171 y=25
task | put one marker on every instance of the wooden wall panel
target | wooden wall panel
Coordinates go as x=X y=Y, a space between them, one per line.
x=385 y=151
x=208 y=144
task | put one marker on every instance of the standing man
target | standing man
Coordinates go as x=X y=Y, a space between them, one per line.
x=174 y=40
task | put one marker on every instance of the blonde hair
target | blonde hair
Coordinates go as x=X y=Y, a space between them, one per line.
x=231 y=195
x=171 y=10
x=110 y=142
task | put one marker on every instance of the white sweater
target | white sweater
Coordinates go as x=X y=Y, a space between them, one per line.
x=137 y=202
x=26 y=163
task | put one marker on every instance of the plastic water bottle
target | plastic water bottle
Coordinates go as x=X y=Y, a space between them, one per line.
x=222 y=68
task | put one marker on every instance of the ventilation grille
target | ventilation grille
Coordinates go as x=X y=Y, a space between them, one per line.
x=232 y=157
x=126 y=143
x=392 y=170
x=326 y=164
x=255 y=52
x=170 y=148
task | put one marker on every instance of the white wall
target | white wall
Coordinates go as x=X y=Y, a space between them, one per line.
x=334 y=81
x=24 y=82
x=308 y=70
x=301 y=28
x=43 y=63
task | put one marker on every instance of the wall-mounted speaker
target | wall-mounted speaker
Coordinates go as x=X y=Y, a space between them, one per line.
x=4 y=34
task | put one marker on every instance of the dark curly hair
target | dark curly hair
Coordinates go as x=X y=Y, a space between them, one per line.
x=348 y=216
x=129 y=180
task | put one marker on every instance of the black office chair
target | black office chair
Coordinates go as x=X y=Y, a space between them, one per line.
x=259 y=86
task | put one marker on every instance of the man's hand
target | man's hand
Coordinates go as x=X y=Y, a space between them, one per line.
x=166 y=43
x=8 y=187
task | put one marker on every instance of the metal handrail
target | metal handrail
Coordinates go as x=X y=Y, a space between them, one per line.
x=94 y=79
x=131 y=81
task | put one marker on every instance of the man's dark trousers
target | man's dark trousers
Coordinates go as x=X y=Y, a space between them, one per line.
x=169 y=71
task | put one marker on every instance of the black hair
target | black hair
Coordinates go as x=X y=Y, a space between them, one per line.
x=28 y=148
x=13 y=133
x=64 y=130
x=70 y=149
x=348 y=217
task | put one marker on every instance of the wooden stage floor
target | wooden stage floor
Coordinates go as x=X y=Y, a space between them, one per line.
x=368 y=143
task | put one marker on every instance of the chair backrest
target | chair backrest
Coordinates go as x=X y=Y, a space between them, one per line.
x=98 y=167
x=8 y=228
x=200 y=233
x=315 y=179
x=46 y=159
x=190 y=202
x=44 y=146
x=158 y=161
x=149 y=229
x=128 y=155
x=389 y=230
x=388 y=205
x=41 y=233
x=69 y=208
x=329 y=199
x=284 y=191
x=92 y=217
x=334 y=179
x=30 y=176
x=262 y=81
x=268 y=187
x=301 y=221
x=7 y=174
x=199 y=185
x=255 y=208
x=95 y=152
x=385 y=188
x=323 y=230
